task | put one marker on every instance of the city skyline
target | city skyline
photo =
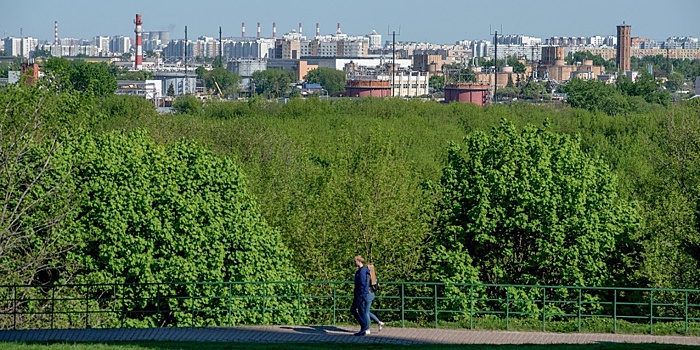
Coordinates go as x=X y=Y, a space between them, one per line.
x=452 y=21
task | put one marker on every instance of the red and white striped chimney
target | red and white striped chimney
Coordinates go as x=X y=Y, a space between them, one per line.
x=139 y=49
x=274 y=30
x=318 y=30
x=55 y=32
x=258 y=29
x=243 y=29
x=299 y=27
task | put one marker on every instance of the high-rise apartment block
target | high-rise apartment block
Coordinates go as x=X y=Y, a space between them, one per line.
x=20 y=46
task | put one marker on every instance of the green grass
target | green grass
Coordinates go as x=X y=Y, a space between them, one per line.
x=314 y=346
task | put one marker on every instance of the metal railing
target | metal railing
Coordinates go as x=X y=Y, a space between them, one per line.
x=473 y=306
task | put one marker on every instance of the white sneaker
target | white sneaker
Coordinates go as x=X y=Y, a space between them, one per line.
x=367 y=332
x=381 y=325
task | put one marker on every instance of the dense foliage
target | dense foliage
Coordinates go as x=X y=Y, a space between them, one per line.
x=273 y=82
x=622 y=98
x=551 y=195
x=91 y=78
x=331 y=79
x=527 y=207
x=220 y=79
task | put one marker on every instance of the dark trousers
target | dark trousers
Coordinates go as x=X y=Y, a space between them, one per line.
x=360 y=311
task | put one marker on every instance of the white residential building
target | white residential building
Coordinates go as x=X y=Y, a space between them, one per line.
x=20 y=46
x=102 y=44
x=375 y=40
x=120 y=44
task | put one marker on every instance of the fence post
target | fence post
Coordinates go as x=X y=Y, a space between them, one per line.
x=507 y=310
x=14 y=307
x=230 y=299
x=87 y=309
x=651 y=312
x=53 y=288
x=686 y=312
x=299 y=303
x=471 y=306
x=436 y=305
x=334 y=302
x=264 y=299
x=403 y=305
x=614 y=310
x=579 y=310
x=544 y=309
x=123 y=315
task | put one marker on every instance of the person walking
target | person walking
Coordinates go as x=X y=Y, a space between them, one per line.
x=374 y=318
x=373 y=283
x=363 y=297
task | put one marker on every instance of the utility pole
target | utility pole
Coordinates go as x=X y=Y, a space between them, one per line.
x=221 y=49
x=186 y=85
x=393 y=59
x=495 y=63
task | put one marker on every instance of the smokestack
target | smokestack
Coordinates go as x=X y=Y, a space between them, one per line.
x=139 y=49
x=55 y=32
x=338 y=27
x=243 y=29
x=258 y=29
x=318 y=29
x=299 y=27
x=274 y=30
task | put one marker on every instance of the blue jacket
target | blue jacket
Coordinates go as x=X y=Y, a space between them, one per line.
x=362 y=282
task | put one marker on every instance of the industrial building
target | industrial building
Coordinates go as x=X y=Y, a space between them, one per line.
x=477 y=93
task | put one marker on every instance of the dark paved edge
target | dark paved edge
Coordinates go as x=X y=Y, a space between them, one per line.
x=330 y=334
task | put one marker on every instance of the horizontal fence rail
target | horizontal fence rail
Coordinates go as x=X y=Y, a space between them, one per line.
x=473 y=306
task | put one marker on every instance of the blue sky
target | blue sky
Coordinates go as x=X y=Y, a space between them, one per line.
x=444 y=21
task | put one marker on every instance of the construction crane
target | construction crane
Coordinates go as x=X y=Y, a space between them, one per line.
x=218 y=88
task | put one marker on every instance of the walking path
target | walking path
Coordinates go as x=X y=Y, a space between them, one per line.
x=330 y=334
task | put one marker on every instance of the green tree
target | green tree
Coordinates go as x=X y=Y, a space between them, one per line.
x=437 y=82
x=171 y=90
x=35 y=183
x=534 y=90
x=92 y=78
x=528 y=207
x=59 y=73
x=187 y=104
x=331 y=79
x=645 y=87
x=200 y=72
x=273 y=82
x=596 y=96
x=675 y=81
x=178 y=214
x=228 y=81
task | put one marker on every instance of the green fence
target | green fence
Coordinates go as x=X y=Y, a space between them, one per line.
x=473 y=306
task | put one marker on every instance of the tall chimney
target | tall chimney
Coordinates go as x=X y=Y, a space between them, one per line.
x=318 y=29
x=258 y=29
x=243 y=29
x=139 y=49
x=274 y=30
x=55 y=32
x=299 y=27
